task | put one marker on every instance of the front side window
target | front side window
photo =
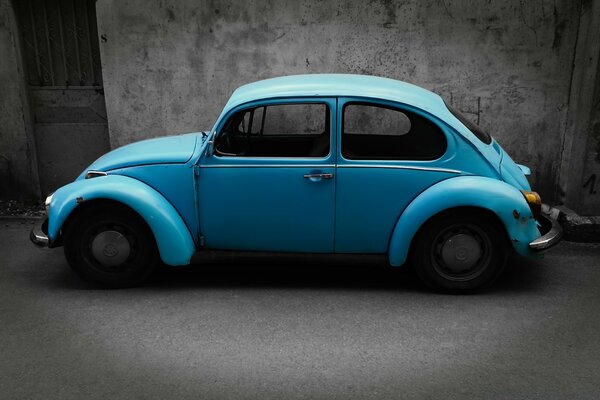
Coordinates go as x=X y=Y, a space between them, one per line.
x=374 y=132
x=279 y=130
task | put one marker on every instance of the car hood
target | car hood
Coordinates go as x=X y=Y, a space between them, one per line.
x=165 y=150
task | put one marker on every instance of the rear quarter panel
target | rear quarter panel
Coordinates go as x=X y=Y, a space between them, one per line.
x=371 y=195
x=504 y=200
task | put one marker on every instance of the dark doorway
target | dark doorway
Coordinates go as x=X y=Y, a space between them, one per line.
x=62 y=61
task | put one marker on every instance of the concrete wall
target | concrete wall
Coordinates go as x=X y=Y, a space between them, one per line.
x=18 y=166
x=580 y=163
x=169 y=66
x=70 y=132
x=590 y=182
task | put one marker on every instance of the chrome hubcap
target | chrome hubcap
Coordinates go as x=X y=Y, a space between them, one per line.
x=110 y=248
x=461 y=252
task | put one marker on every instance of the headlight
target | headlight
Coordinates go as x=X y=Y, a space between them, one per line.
x=535 y=202
x=47 y=202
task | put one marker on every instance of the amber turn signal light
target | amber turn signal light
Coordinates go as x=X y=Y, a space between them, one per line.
x=535 y=202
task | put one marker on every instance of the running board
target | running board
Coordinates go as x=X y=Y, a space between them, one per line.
x=255 y=257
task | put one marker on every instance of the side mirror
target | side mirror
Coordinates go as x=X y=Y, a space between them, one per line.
x=210 y=145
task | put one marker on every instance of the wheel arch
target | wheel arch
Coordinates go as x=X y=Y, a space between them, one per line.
x=466 y=209
x=91 y=205
x=174 y=240
x=488 y=195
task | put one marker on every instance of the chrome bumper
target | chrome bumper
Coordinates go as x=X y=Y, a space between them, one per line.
x=38 y=234
x=551 y=234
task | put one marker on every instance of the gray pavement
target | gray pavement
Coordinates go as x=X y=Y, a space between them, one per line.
x=293 y=331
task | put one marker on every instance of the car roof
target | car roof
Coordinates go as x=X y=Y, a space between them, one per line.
x=349 y=85
x=331 y=85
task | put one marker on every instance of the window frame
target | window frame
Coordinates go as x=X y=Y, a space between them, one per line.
x=391 y=105
x=329 y=102
x=482 y=135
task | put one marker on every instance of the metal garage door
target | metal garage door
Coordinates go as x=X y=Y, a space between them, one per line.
x=60 y=47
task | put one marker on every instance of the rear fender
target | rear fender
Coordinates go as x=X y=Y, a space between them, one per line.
x=504 y=200
x=174 y=240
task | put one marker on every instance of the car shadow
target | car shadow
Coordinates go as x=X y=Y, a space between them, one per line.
x=288 y=273
x=521 y=275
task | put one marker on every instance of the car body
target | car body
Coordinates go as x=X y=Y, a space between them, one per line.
x=331 y=164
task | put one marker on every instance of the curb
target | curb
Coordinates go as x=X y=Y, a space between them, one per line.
x=19 y=218
x=577 y=228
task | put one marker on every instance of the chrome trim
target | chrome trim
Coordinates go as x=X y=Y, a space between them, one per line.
x=37 y=235
x=410 y=167
x=550 y=238
x=94 y=174
x=267 y=166
x=47 y=203
x=111 y=248
x=318 y=176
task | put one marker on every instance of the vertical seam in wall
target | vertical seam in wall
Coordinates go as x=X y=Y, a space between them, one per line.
x=557 y=185
x=25 y=101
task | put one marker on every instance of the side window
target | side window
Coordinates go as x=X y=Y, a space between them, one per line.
x=373 y=132
x=280 y=130
x=295 y=119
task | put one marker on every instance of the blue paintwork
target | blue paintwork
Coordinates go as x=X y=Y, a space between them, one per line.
x=477 y=191
x=173 y=238
x=348 y=85
x=524 y=169
x=266 y=208
x=175 y=182
x=370 y=200
x=168 y=150
x=265 y=203
x=513 y=173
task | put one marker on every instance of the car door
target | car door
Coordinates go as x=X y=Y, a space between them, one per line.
x=269 y=183
x=388 y=153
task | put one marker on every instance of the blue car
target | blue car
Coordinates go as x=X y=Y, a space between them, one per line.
x=330 y=164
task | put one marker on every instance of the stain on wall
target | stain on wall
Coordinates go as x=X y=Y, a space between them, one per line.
x=590 y=190
x=18 y=166
x=170 y=65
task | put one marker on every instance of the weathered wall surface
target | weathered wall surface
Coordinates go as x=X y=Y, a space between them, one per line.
x=590 y=193
x=18 y=168
x=170 y=65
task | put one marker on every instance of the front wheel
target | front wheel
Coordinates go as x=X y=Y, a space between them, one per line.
x=111 y=246
x=460 y=251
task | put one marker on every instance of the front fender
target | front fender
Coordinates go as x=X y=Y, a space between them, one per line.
x=174 y=240
x=466 y=191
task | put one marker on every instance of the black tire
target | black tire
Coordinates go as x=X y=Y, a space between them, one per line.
x=130 y=245
x=460 y=251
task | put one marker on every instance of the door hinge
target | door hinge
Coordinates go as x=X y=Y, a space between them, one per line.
x=201 y=239
x=196 y=170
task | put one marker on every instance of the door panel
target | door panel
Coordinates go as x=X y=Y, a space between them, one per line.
x=270 y=203
x=386 y=172
x=273 y=208
x=62 y=61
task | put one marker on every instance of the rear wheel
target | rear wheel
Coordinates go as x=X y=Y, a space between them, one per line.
x=460 y=251
x=111 y=246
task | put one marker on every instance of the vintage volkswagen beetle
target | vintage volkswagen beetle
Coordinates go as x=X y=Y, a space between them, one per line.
x=336 y=164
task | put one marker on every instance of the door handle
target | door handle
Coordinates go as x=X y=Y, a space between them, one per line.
x=318 y=176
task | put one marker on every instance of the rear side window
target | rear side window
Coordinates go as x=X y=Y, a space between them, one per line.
x=374 y=132
x=474 y=128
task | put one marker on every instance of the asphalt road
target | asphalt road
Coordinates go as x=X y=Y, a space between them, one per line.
x=287 y=332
